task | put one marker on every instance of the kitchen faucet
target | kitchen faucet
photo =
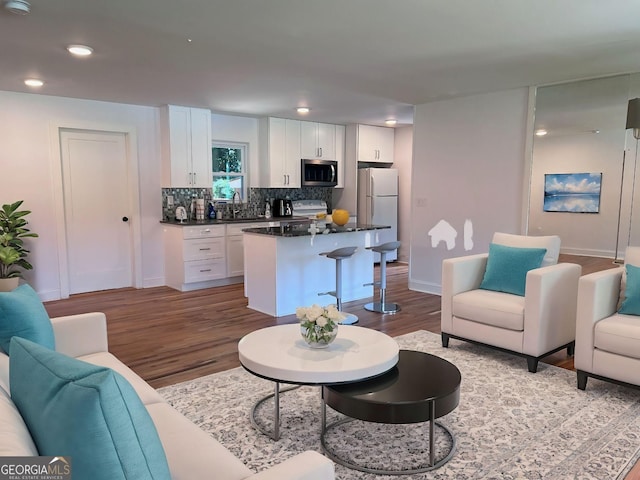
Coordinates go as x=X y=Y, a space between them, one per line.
x=235 y=210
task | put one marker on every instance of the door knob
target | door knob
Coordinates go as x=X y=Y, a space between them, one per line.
x=125 y=219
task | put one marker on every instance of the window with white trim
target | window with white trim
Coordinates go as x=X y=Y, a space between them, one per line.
x=229 y=170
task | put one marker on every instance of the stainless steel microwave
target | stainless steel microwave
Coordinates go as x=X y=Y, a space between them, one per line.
x=319 y=173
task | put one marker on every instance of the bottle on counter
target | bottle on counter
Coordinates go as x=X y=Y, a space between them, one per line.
x=267 y=209
x=211 y=211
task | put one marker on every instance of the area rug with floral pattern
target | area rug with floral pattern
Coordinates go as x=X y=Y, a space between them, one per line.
x=509 y=424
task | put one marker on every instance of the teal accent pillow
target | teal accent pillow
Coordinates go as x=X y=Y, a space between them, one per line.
x=87 y=412
x=22 y=314
x=631 y=303
x=507 y=268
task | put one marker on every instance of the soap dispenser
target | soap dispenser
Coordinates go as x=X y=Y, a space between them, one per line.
x=267 y=209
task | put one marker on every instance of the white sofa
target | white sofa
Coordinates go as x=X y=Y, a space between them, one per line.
x=532 y=326
x=607 y=342
x=191 y=453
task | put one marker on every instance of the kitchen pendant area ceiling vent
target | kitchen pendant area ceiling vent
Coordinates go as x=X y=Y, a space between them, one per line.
x=19 y=7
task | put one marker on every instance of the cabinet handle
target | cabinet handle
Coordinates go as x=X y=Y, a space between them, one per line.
x=194 y=178
x=206 y=230
x=320 y=150
x=204 y=249
x=206 y=270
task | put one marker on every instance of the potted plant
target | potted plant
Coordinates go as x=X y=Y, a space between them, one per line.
x=13 y=254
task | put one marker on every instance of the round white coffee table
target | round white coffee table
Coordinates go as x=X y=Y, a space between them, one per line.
x=281 y=355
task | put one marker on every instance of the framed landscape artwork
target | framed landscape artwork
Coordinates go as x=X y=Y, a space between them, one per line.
x=572 y=192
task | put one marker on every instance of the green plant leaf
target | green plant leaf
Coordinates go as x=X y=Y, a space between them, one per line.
x=13 y=228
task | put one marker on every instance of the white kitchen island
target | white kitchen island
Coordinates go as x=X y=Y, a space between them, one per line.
x=283 y=268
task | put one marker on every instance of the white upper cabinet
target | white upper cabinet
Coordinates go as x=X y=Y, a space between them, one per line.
x=375 y=144
x=318 y=140
x=186 y=147
x=279 y=153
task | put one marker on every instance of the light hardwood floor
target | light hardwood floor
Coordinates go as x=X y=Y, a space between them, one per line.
x=167 y=336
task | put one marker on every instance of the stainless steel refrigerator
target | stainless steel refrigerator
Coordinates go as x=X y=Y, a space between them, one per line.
x=378 y=203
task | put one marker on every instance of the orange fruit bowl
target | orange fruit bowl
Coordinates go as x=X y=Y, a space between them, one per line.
x=340 y=217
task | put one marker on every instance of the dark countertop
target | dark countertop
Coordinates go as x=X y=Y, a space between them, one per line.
x=229 y=221
x=298 y=230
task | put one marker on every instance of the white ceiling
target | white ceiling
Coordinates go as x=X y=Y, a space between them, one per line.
x=349 y=60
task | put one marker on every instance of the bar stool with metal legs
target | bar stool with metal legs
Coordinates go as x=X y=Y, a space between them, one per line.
x=338 y=255
x=382 y=306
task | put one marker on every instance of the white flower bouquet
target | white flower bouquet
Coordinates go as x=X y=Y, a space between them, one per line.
x=319 y=325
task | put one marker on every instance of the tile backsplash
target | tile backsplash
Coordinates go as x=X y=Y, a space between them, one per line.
x=253 y=207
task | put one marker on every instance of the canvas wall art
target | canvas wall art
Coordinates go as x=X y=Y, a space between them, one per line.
x=572 y=192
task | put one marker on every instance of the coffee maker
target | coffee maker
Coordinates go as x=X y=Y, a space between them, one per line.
x=282 y=207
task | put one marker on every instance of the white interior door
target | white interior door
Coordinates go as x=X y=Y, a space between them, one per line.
x=96 y=202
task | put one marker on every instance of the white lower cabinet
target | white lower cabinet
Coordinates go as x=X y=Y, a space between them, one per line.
x=194 y=255
x=203 y=270
x=235 y=247
x=205 y=256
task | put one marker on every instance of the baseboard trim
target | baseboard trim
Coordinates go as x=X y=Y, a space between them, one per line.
x=588 y=252
x=425 y=287
x=50 y=295
x=153 y=282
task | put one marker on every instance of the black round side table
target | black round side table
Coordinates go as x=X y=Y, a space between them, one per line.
x=420 y=388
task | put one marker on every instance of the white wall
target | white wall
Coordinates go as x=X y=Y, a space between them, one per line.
x=581 y=234
x=468 y=164
x=27 y=164
x=403 y=147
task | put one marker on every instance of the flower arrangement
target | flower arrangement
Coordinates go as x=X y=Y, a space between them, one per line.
x=319 y=325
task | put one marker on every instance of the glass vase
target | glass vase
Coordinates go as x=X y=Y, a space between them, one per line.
x=318 y=337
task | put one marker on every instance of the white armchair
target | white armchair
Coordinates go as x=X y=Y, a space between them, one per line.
x=532 y=326
x=607 y=342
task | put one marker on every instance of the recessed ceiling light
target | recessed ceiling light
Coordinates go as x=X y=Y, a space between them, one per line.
x=33 y=82
x=391 y=121
x=19 y=7
x=541 y=132
x=303 y=110
x=80 y=50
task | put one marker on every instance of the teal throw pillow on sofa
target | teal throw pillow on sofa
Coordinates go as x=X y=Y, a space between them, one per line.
x=631 y=302
x=87 y=412
x=507 y=268
x=22 y=314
